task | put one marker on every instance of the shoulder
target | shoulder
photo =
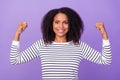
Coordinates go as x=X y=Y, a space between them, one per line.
x=39 y=42
x=83 y=43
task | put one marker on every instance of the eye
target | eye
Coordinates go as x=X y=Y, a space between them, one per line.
x=56 y=22
x=66 y=22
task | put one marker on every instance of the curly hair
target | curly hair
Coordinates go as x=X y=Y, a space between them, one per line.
x=76 y=25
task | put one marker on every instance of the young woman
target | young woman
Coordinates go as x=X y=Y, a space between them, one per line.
x=61 y=49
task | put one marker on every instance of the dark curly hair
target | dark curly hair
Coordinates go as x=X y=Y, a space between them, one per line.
x=76 y=26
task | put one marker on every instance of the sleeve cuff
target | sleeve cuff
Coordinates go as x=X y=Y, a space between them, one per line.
x=106 y=42
x=15 y=42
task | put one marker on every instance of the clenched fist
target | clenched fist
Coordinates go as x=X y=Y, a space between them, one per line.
x=21 y=27
x=101 y=28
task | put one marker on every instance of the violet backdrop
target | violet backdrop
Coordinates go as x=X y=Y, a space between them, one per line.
x=32 y=11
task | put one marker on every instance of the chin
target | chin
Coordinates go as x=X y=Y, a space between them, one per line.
x=61 y=35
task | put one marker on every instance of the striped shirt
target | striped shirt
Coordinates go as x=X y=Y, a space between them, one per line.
x=60 y=61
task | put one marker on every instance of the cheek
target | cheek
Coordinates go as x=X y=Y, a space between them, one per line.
x=54 y=28
x=54 y=25
x=67 y=27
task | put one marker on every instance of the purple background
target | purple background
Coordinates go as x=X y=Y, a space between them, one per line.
x=32 y=11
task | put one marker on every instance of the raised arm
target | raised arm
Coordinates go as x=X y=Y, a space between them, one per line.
x=99 y=57
x=17 y=56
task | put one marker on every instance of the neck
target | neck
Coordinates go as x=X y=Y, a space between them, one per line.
x=60 y=39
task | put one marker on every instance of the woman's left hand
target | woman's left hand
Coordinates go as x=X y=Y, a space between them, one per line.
x=101 y=28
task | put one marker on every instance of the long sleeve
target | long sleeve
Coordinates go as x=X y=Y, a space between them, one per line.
x=103 y=57
x=18 y=57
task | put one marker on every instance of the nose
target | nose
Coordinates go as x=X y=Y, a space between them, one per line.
x=61 y=25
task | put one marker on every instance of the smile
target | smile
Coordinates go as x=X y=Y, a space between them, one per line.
x=61 y=30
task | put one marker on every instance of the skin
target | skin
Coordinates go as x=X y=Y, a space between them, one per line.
x=102 y=30
x=21 y=27
x=60 y=27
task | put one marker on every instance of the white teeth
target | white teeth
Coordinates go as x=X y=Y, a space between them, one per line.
x=61 y=31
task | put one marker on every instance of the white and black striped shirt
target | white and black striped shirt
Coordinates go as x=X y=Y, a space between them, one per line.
x=60 y=61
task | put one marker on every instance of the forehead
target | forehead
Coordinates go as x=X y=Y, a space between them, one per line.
x=60 y=16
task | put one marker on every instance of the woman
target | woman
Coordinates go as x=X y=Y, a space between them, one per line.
x=61 y=49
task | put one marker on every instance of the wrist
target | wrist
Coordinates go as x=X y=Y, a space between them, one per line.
x=105 y=36
x=16 y=37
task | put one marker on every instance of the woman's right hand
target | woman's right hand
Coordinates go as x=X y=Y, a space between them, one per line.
x=21 y=27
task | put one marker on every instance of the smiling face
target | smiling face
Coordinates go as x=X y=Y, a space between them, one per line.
x=60 y=25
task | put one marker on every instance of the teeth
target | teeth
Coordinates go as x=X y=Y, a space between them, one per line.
x=61 y=31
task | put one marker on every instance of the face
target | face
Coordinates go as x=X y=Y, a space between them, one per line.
x=60 y=25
